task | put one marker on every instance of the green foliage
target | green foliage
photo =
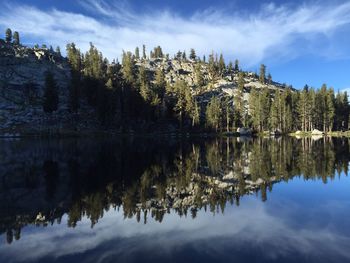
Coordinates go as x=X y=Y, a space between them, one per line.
x=16 y=40
x=200 y=81
x=193 y=54
x=58 y=51
x=137 y=53
x=239 y=113
x=130 y=93
x=236 y=65
x=144 y=52
x=8 y=35
x=185 y=105
x=262 y=73
x=128 y=69
x=221 y=65
x=157 y=53
x=213 y=113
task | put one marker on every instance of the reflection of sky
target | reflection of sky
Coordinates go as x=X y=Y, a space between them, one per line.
x=299 y=222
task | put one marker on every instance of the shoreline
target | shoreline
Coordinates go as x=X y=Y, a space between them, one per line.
x=185 y=134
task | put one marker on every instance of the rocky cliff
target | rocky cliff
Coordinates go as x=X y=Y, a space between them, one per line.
x=22 y=75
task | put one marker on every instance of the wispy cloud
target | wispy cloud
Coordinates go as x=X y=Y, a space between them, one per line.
x=273 y=31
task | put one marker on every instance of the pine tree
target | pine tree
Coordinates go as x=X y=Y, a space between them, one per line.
x=213 y=114
x=144 y=52
x=137 y=53
x=238 y=101
x=275 y=118
x=265 y=103
x=50 y=101
x=200 y=81
x=184 y=57
x=230 y=67
x=195 y=114
x=236 y=65
x=303 y=109
x=262 y=73
x=16 y=40
x=181 y=90
x=58 y=51
x=254 y=108
x=330 y=110
x=160 y=83
x=193 y=54
x=213 y=69
x=269 y=79
x=222 y=65
x=144 y=84
x=8 y=35
x=228 y=112
x=128 y=67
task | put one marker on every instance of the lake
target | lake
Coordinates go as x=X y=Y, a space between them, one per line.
x=171 y=200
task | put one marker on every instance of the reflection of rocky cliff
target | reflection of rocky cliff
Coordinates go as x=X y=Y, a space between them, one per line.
x=42 y=180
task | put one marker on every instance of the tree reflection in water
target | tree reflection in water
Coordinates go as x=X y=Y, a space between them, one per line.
x=43 y=180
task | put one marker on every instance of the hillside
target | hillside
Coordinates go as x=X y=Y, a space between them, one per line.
x=154 y=93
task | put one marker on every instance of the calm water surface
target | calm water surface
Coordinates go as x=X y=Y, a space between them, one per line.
x=166 y=200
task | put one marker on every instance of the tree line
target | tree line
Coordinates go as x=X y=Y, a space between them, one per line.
x=124 y=92
x=128 y=95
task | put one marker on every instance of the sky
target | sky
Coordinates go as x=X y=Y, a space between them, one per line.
x=301 y=42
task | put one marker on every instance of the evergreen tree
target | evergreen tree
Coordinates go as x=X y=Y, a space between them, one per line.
x=195 y=113
x=144 y=84
x=236 y=65
x=230 y=67
x=213 y=113
x=58 y=51
x=160 y=83
x=50 y=100
x=238 y=101
x=222 y=65
x=8 y=35
x=254 y=108
x=183 y=99
x=158 y=52
x=262 y=73
x=275 y=112
x=128 y=67
x=144 y=52
x=184 y=57
x=330 y=109
x=265 y=103
x=193 y=54
x=16 y=40
x=228 y=112
x=213 y=69
x=200 y=81
x=137 y=53
x=269 y=79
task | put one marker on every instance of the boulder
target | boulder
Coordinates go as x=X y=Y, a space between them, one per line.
x=316 y=132
x=276 y=132
x=244 y=131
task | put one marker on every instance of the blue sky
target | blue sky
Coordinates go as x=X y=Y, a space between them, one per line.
x=301 y=42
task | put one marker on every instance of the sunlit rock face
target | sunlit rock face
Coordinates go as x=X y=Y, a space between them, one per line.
x=40 y=181
x=22 y=76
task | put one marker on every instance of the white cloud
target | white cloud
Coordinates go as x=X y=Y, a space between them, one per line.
x=272 y=230
x=272 y=32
